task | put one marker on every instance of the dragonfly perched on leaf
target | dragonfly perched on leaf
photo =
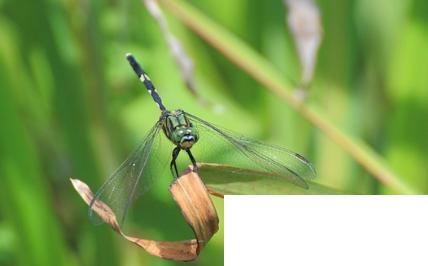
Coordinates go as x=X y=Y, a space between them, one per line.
x=187 y=132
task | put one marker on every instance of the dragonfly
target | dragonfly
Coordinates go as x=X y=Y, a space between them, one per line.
x=186 y=131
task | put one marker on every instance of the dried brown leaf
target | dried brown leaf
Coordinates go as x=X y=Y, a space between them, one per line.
x=191 y=196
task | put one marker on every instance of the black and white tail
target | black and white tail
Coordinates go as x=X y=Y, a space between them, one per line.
x=146 y=80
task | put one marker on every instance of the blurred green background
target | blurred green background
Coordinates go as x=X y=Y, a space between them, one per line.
x=71 y=107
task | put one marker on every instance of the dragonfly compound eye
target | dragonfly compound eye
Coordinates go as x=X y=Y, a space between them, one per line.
x=185 y=137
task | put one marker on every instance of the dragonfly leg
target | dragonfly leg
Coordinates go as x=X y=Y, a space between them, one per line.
x=195 y=166
x=173 y=164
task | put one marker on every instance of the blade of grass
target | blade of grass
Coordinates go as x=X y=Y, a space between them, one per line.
x=67 y=130
x=25 y=200
x=262 y=71
x=228 y=180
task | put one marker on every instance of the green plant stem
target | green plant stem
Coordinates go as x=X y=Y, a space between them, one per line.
x=262 y=71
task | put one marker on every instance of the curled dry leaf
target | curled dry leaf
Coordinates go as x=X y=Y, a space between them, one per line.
x=305 y=24
x=191 y=196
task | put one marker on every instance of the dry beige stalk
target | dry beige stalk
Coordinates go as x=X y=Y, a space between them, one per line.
x=304 y=21
x=191 y=196
x=183 y=60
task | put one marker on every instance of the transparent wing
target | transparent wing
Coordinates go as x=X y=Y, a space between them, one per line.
x=129 y=181
x=237 y=150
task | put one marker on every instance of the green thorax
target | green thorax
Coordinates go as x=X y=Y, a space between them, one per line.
x=179 y=130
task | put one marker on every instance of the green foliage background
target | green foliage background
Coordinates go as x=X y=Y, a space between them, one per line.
x=71 y=107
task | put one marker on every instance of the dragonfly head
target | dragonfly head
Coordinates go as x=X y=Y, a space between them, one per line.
x=180 y=130
x=185 y=137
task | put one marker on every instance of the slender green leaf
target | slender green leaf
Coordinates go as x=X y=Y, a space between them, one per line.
x=229 y=180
